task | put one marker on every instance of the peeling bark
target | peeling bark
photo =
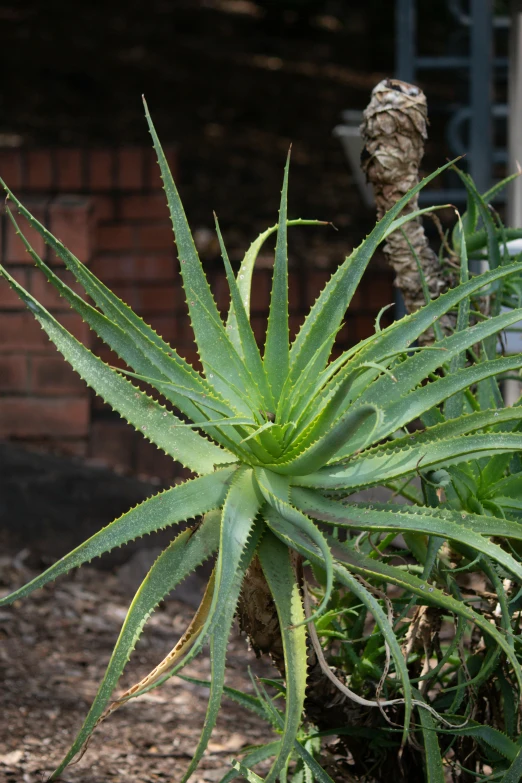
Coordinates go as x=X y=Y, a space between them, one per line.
x=394 y=131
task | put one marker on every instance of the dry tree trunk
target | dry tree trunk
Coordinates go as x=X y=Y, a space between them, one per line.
x=325 y=705
x=394 y=131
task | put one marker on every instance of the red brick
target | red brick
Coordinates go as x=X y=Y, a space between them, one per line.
x=103 y=208
x=315 y=282
x=364 y=326
x=171 y=153
x=359 y=301
x=70 y=218
x=294 y=293
x=221 y=292
x=135 y=267
x=130 y=168
x=39 y=170
x=377 y=292
x=101 y=169
x=107 y=355
x=21 y=331
x=155 y=236
x=78 y=328
x=47 y=294
x=29 y=417
x=13 y=373
x=9 y=299
x=166 y=327
x=11 y=168
x=112 y=442
x=69 y=168
x=149 y=299
x=52 y=375
x=151 y=207
x=258 y=323
x=115 y=236
x=260 y=294
x=15 y=251
x=294 y=324
x=150 y=461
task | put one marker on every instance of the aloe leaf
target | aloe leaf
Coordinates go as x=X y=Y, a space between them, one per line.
x=376 y=467
x=246 y=700
x=296 y=396
x=328 y=311
x=478 y=523
x=336 y=438
x=450 y=526
x=410 y=406
x=276 y=357
x=181 y=557
x=454 y=406
x=133 y=340
x=247 y=342
x=128 y=340
x=433 y=758
x=471 y=422
x=247 y=773
x=494 y=256
x=511 y=486
x=205 y=405
x=203 y=399
x=244 y=277
x=316 y=416
x=238 y=529
x=399 y=222
x=402 y=333
x=514 y=773
x=211 y=337
x=275 y=489
x=416 y=368
x=479 y=239
x=218 y=652
x=277 y=568
x=411 y=372
x=489 y=736
x=149 y=417
x=255 y=756
x=489 y=195
x=234 y=381
x=181 y=502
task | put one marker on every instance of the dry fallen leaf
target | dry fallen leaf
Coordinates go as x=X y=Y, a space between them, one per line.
x=9 y=759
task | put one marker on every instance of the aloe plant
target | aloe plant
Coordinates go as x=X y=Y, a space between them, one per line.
x=278 y=439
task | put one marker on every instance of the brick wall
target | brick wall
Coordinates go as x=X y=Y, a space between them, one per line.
x=108 y=207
